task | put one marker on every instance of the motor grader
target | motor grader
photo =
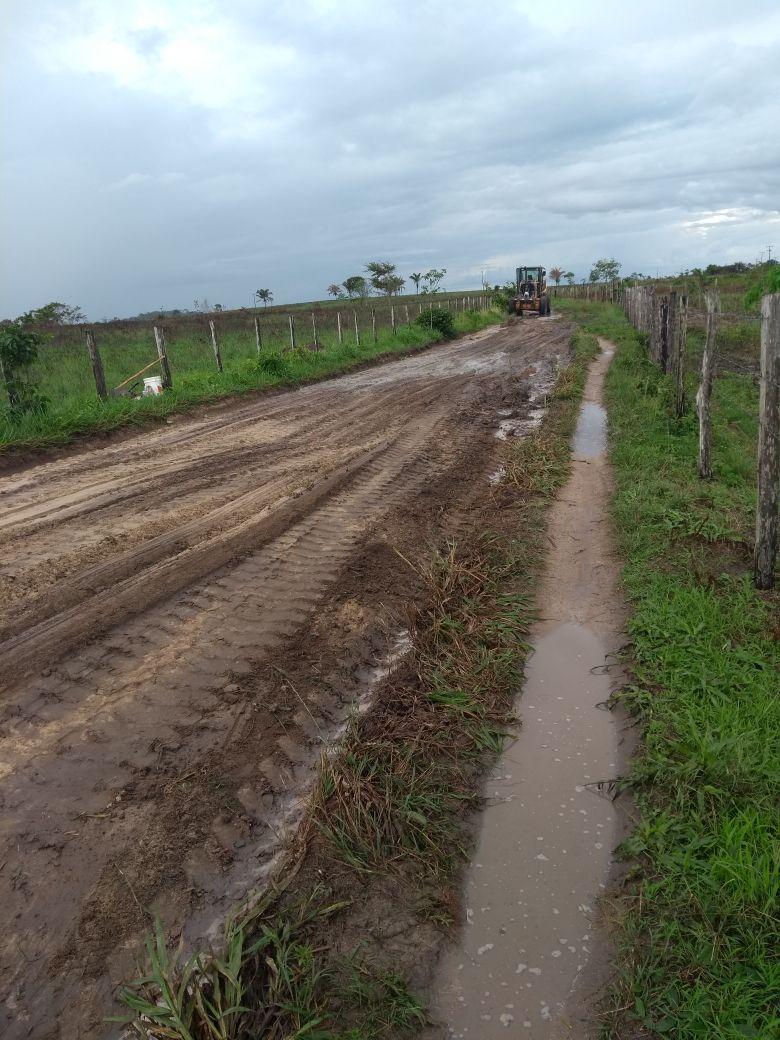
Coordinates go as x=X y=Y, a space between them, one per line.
x=531 y=296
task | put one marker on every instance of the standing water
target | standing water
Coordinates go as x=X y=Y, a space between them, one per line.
x=529 y=956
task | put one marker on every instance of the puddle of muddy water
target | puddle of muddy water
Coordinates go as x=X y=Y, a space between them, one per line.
x=543 y=852
x=590 y=436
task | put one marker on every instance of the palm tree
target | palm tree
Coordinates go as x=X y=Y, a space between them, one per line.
x=416 y=278
x=556 y=274
x=265 y=295
x=335 y=291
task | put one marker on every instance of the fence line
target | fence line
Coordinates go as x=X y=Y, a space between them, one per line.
x=663 y=320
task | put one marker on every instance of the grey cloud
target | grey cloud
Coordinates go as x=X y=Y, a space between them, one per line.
x=429 y=133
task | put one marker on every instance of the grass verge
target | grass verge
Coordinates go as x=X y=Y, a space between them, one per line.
x=76 y=411
x=387 y=821
x=698 y=923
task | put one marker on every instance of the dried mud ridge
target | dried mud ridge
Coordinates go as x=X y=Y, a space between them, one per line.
x=187 y=619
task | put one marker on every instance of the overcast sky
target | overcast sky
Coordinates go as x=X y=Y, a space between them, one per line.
x=155 y=152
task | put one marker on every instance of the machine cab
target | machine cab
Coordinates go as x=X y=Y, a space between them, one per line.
x=530 y=282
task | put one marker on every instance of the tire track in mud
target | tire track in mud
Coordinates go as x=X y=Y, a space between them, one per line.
x=96 y=740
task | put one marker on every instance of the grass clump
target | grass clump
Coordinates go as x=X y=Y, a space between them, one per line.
x=271 y=981
x=398 y=791
x=699 y=924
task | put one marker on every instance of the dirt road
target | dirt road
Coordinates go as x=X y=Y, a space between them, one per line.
x=187 y=616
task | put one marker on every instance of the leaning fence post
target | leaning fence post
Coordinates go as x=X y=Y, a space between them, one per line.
x=215 y=346
x=258 y=337
x=292 y=332
x=679 y=356
x=705 y=388
x=165 y=368
x=97 y=365
x=768 y=444
x=357 y=330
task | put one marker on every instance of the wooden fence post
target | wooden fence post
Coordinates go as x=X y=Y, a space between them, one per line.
x=768 y=444
x=406 y=312
x=373 y=323
x=215 y=346
x=357 y=330
x=392 y=318
x=679 y=356
x=663 y=333
x=705 y=388
x=338 y=327
x=258 y=337
x=97 y=366
x=162 y=354
x=671 y=330
x=314 y=330
x=293 y=343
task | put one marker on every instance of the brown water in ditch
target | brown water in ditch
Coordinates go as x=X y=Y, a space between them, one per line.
x=531 y=955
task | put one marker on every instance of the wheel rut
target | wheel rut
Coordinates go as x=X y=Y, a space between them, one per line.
x=153 y=754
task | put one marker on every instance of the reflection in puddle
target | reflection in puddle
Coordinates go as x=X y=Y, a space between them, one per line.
x=590 y=437
x=543 y=854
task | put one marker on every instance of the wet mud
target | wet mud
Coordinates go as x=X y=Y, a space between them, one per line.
x=532 y=955
x=187 y=619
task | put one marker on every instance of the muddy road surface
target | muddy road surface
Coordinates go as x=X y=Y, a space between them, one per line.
x=186 y=618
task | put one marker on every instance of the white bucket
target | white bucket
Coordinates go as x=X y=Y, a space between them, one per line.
x=152 y=385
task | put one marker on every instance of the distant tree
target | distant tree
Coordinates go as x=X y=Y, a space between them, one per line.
x=393 y=284
x=356 y=285
x=569 y=276
x=265 y=296
x=383 y=277
x=53 y=314
x=727 y=268
x=416 y=278
x=335 y=291
x=556 y=274
x=433 y=280
x=605 y=270
x=218 y=307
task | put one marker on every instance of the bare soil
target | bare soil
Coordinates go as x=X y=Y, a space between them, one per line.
x=187 y=618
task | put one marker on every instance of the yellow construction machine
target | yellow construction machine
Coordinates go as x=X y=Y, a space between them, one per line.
x=531 y=296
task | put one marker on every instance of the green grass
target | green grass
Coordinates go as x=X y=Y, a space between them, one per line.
x=65 y=375
x=699 y=924
x=269 y=981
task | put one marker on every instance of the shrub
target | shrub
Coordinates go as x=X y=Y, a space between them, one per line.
x=439 y=319
x=18 y=349
x=275 y=365
x=769 y=282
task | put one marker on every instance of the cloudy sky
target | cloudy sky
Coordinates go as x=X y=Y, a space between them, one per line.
x=156 y=151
